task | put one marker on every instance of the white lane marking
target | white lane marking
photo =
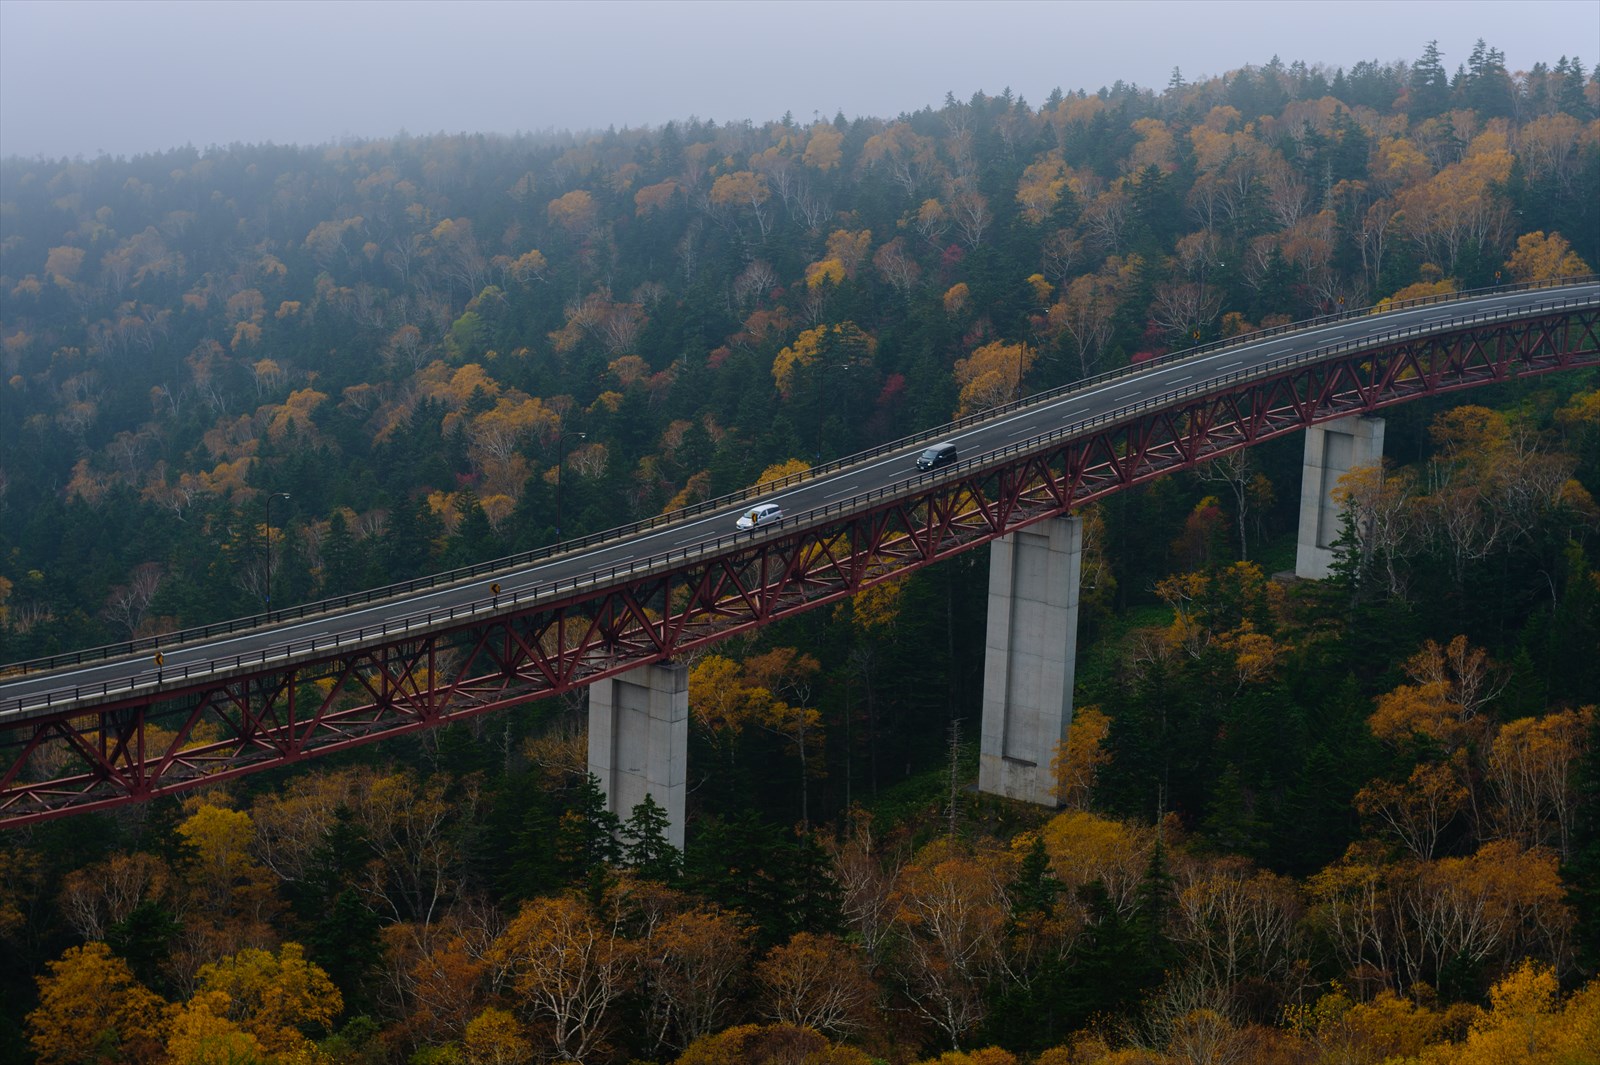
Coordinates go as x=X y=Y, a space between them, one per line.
x=1271 y=348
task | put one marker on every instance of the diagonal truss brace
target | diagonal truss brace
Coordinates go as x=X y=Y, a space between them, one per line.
x=186 y=735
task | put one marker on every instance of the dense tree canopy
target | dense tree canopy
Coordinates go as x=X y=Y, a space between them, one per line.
x=1341 y=820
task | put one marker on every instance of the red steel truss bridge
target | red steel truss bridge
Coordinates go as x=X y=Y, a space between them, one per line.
x=119 y=724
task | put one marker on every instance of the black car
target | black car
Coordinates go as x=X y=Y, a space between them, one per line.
x=936 y=456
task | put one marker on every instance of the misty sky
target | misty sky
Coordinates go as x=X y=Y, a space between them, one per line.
x=83 y=77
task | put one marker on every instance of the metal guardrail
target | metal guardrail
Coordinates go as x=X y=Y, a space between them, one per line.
x=604 y=578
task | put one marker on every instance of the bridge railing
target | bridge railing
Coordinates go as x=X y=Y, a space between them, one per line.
x=168 y=641
x=598 y=580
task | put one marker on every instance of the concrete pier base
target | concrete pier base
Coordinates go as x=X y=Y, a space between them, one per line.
x=1332 y=450
x=1029 y=658
x=639 y=740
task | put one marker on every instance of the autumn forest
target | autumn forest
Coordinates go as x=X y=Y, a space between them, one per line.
x=1348 y=821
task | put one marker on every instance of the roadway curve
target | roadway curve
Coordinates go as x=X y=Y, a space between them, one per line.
x=48 y=691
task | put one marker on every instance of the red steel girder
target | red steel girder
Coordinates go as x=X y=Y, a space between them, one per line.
x=190 y=734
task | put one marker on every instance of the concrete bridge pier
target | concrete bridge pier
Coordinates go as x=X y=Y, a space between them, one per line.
x=1029 y=658
x=1332 y=450
x=639 y=740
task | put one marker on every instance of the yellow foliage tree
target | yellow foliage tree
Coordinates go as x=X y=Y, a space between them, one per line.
x=1399 y=164
x=1528 y=1024
x=496 y=1037
x=527 y=267
x=956 y=299
x=225 y=875
x=575 y=212
x=1387 y=1027
x=454 y=388
x=92 y=1008
x=1084 y=848
x=984 y=1056
x=1531 y=766
x=1040 y=187
x=1459 y=205
x=654 y=198
x=274 y=997
x=1088 y=305
x=907 y=156
x=298 y=410
x=1453 y=683
x=779 y=471
x=1079 y=757
x=245 y=335
x=1155 y=147
x=743 y=189
x=718 y=696
x=992 y=375
x=1417 y=812
x=932 y=221
x=1424 y=710
x=770 y=1044
x=1042 y=289
x=844 y=344
x=875 y=609
x=825 y=272
x=1471 y=434
x=202 y=1034
x=1416 y=290
x=849 y=248
x=825 y=148
x=1544 y=258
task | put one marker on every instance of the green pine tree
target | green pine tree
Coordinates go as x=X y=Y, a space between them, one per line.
x=645 y=845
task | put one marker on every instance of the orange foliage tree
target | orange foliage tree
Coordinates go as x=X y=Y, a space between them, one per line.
x=690 y=964
x=951 y=913
x=1531 y=768
x=1454 y=683
x=568 y=970
x=817 y=981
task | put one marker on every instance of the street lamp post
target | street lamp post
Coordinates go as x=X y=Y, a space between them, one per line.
x=267 y=506
x=561 y=462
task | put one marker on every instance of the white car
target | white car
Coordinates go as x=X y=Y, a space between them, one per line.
x=759 y=515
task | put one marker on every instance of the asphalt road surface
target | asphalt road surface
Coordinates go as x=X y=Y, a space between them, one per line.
x=26 y=696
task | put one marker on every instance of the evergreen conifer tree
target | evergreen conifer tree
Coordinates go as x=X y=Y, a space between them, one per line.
x=645 y=845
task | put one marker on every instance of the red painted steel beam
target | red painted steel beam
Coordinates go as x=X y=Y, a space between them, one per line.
x=189 y=734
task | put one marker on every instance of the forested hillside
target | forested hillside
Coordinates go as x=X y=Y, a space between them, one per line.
x=1340 y=821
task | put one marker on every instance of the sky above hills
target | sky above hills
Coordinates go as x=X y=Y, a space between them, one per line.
x=85 y=77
